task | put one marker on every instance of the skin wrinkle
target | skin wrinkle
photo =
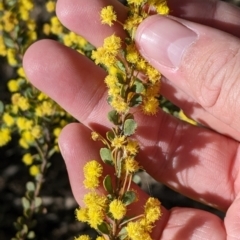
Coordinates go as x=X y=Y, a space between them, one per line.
x=210 y=103
x=94 y=103
x=228 y=93
x=210 y=78
x=158 y=150
x=179 y=128
x=225 y=180
x=178 y=221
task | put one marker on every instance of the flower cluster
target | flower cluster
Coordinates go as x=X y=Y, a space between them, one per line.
x=132 y=83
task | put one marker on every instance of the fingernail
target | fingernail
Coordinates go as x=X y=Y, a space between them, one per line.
x=163 y=40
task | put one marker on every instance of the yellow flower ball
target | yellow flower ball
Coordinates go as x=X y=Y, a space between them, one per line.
x=21 y=72
x=82 y=237
x=117 y=209
x=5 y=136
x=27 y=159
x=81 y=214
x=8 y=119
x=34 y=170
x=108 y=15
x=50 y=6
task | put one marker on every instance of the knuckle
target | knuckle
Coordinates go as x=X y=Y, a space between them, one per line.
x=217 y=86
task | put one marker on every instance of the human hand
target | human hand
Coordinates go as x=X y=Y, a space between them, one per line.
x=198 y=162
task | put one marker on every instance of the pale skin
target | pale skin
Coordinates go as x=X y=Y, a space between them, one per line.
x=202 y=163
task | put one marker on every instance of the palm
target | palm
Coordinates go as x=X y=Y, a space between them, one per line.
x=195 y=161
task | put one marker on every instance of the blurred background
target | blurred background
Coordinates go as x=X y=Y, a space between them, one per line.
x=57 y=220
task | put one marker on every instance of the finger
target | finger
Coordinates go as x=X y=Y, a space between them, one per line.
x=83 y=17
x=210 y=12
x=194 y=110
x=232 y=220
x=68 y=67
x=187 y=158
x=77 y=148
x=214 y=13
x=193 y=224
x=191 y=58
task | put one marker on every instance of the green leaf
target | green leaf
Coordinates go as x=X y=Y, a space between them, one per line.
x=29 y=194
x=136 y=100
x=9 y=42
x=37 y=202
x=27 y=212
x=129 y=197
x=20 y=220
x=31 y=235
x=121 y=66
x=109 y=100
x=123 y=91
x=104 y=228
x=1 y=107
x=25 y=228
x=114 y=117
x=122 y=234
x=129 y=127
x=30 y=186
x=107 y=183
x=139 y=86
x=120 y=78
x=106 y=156
x=89 y=47
x=29 y=93
x=25 y=203
x=11 y=3
x=17 y=226
x=137 y=179
x=110 y=135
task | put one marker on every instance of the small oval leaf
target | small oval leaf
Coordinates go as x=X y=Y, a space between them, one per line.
x=30 y=186
x=25 y=203
x=106 y=156
x=114 y=117
x=1 y=107
x=110 y=135
x=136 y=100
x=129 y=127
x=139 y=87
x=129 y=197
x=31 y=235
x=104 y=228
x=107 y=183
x=37 y=202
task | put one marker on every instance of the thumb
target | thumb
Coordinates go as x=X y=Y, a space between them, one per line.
x=201 y=61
